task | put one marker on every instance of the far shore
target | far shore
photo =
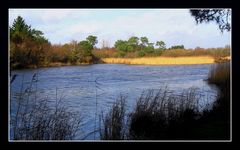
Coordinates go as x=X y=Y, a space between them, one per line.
x=185 y=60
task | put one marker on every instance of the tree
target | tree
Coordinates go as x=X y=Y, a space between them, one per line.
x=38 y=36
x=19 y=30
x=221 y=16
x=133 y=41
x=121 y=45
x=149 y=48
x=28 y=46
x=132 y=44
x=177 y=47
x=161 y=45
x=92 y=40
x=144 y=41
x=86 y=48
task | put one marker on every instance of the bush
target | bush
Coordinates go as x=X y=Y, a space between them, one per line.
x=121 y=54
x=141 y=53
x=104 y=53
x=177 y=47
x=148 y=49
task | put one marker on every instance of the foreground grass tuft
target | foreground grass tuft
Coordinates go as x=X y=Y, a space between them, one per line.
x=114 y=122
x=38 y=118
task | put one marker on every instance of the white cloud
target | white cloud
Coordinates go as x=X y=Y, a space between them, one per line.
x=54 y=15
x=85 y=27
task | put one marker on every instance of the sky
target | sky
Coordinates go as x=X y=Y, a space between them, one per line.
x=173 y=26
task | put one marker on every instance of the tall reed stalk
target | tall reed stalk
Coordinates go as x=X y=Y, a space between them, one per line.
x=37 y=119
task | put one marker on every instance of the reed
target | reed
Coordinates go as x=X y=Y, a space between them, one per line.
x=114 y=125
x=161 y=60
x=157 y=114
x=37 y=118
x=219 y=74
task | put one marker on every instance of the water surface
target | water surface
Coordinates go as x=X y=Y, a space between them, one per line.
x=81 y=86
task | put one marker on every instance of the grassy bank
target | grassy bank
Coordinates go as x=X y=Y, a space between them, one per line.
x=161 y=60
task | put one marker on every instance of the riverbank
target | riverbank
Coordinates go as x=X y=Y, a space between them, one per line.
x=161 y=60
x=185 y=60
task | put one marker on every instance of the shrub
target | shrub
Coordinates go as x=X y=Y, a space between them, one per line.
x=141 y=53
x=177 y=47
x=121 y=54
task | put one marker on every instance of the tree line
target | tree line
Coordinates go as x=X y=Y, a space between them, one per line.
x=29 y=48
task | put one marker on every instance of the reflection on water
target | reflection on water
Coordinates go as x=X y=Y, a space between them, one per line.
x=81 y=85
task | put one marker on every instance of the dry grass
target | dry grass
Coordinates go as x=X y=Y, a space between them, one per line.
x=222 y=59
x=220 y=75
x=161 y=60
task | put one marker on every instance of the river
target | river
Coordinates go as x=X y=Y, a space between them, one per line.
x=81 y=86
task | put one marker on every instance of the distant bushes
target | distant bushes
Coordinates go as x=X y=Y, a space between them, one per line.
x=105 y=53
x=177 y=47
x=214 y=52
x=218 y=54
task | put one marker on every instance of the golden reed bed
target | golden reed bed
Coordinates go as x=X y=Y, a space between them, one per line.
x=161 y=60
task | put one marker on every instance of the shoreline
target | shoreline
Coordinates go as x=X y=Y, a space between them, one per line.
x=154 y=61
